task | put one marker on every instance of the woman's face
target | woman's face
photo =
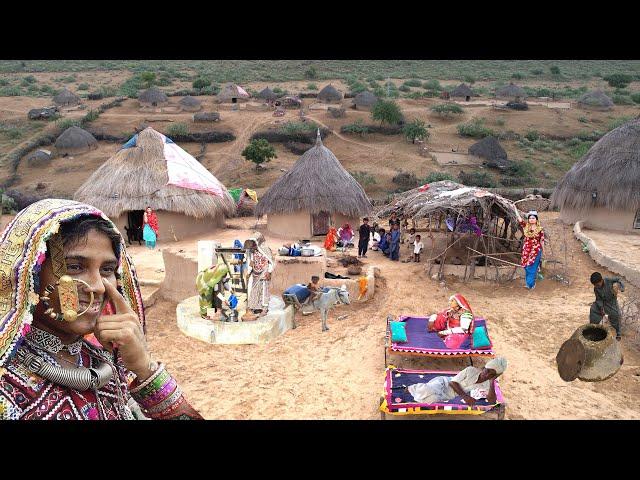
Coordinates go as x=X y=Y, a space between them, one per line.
x=533 y=220
x=148 y=209
x=454 y=304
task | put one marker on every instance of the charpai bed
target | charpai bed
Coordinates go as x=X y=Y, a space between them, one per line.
x=429 y=344
x=396 y=401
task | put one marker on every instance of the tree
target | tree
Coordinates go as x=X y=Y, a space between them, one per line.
x=618 y=80
x=200 y=83
x=415 y=130
x=386 y=111
x=259 y=151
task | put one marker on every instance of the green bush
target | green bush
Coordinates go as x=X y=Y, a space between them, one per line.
x=404 y=88
x=616 y=122
x=500 y=122
x=560 y=163
x=47 y=89
x=416 y=130
x=447 y=109
x=537 y=71
x=4 y=82
x=259 y=151
x=635 y=97
x=621 y=99
x=386 y=111
x=618 y=80
x=311 y=73
x=474 y=129
x=583 y=119
x=432 y=85
x=13 y=91
x=83 y=86
x=364 y=178
x=108 y=91
x=201 y=83
x=469 y=79
x=532 y=135
x=518 y=75
x=7 y=204
x=524 y=169
x=312 y=86
x=177 y=129
x=437 y=177
x=11 y=132
x=65 y=123
x=210 y=90
x=413 y=83
x=555 y=70
x=295 y=128
x=358 y=128
x=91 y=116
x=357 y=87
x=477 y=179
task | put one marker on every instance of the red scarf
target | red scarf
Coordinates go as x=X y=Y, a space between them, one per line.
x=152 y=220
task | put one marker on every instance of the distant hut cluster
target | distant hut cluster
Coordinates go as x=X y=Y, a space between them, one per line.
x=315 y=194
x=232 y=93
x=75 y=141
x=364 y=101
x=595 y=100
x=153 y=98
x=492 y=153
x=136 y=177
x=602 y=188
x=329 y=94
x=66 y=98
x=462 y=91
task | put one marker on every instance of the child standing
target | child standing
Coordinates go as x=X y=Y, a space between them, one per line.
x=417 y=248
x=411 y=238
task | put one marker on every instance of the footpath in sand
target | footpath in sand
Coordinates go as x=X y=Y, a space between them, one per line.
x=307 y=374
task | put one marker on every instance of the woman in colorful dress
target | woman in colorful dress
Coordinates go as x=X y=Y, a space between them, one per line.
x=331 y=239
x=150 y=229
x=261 y=265
x=67 y=356
x=533 y=247
x=454 y=324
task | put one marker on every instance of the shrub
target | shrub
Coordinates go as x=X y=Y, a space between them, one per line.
x=532 y=135
x=560 y=163
x=618 y=80
x=635 y=97
x=555 y=70
x=513 y=181
x=294 y=128
x=201 y=83
x=415 y=130
x=469 y=79
x=518 y=75
x=404 y=88
x=413 y=83
x=91 y=116
x=621 y=99
x=474 y=129
x=432 y=85
x=108 y=91
x=11 y=132
x=47 y=89
x=83 y=86
x=8 y=203
x=447 y=109
x=28 y=80
x=259 y=151
x=477 y=179
x=4 y=82
x=616 y=122
x=438 y=177
x=357 y=87
x=13 y=91
x=500 y=122
x=524 y=169
x=537 y=71
x=386 y=111
x=147 y=78
x=312 y=86
x=364 y=178
x=177 y=129
x=583 y=119
x=406 y=180
x=358 y=127
x=311 y=73
x=65 y=123
x=210 y=90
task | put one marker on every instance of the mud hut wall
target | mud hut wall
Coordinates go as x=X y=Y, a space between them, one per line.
x=180 y=276
x=297 y=226
x=353 y=286
x=601 y=219
x=183 y=226
x=291 y=270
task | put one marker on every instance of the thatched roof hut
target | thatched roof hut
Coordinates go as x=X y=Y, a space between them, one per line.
x=190 y=104
x=492 y=152
x=232 y=93
x=595 y=100
x=329 y=94
x=66 y=98
x=511 y=92
x=138 y=176
x=462 y=91
x=267 y=94
x=153 y=98
x=74 y=141
x=206 y=117
x=316 y=192
x=364 y=100
x=39 y=158
x=602 y=187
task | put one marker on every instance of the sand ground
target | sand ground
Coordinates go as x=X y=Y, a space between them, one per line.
x=307 y=374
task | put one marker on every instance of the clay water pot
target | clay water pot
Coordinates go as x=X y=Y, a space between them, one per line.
x=592 y=354
x=354 y=270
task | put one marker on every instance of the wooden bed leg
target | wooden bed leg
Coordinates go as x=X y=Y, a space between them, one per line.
x=501 y=411
x=382 y=414
x=471 y=361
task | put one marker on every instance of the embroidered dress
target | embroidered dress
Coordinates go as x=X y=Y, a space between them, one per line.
x=150 y=230
x=262 y=263
x=26 y=395
x=454 y=325
x=531 y=251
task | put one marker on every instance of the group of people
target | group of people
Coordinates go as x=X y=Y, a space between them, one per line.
x=388 y=242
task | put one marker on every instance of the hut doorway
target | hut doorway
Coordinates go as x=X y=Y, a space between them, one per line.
x=320 y=223
x=134 y=224
x=467 y=98
x=234 y=100
x=636 y=221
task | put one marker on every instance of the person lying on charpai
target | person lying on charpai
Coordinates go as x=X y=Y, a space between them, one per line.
x=453 y=324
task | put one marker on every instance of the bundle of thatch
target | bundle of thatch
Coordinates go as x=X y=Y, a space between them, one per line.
x=267 y=94
x=232 y=93
x=74 y=141
x=364 y=100
x=329 y=94
x=66 y=98
x=39 y=158
x=317 y=182
x=190 y=104
x=206 y=117
x=610 y=169
x=153 y=98
x=461 y=91
x=137 y=177
x=511 y=91
x=492 y=152
x=595 y=100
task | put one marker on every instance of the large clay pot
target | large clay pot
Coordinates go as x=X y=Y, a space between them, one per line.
x=592 y=354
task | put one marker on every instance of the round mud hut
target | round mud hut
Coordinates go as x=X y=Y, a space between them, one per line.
x=232 y=93
x=153 y=98
x=601 y=189
x=75 y=141
x=267 y=95
x=187 y=198
x=595 y=100
x=190 y=104
x=66 y=98
x=462 y=91
x=364 y=101
x=511 y=92
x=491 y=152
x=329 y=95
x=315 y=194
x=39 y=158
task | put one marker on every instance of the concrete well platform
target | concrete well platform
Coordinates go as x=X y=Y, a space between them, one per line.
x=260 y=331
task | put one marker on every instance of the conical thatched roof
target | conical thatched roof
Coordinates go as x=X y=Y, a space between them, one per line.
x=66 y=97
x=137 y=177
x=462 y=90
x=230 y=91
x=153 y=95
x=365 y=99
x=317 y=182
x=611 y=168
x=75 y=140
x=490 y=149
x=267 y=94
x=190 y=101
x=595 y=98
x=329 y=94
x=511 y=91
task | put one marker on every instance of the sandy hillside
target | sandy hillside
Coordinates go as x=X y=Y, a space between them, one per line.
x=307 y=374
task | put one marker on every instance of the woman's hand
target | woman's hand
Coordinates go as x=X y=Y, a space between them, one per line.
x=469 y=400
x=267 y=276
x=124 y=329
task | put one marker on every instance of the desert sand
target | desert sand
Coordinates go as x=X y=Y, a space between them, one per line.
x=307 y=374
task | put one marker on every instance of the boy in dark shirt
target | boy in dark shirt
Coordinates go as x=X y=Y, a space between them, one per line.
x=394 y=220
x=606 y=290
x=365 y=235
